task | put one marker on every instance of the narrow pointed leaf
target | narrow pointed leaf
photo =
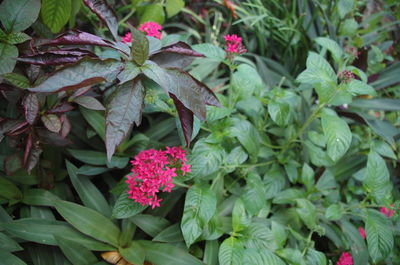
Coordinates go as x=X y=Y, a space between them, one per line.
x=177 y=55
x=105 y=13
x=89 y=102
x=134 y=253
x=75 y=252
x=185 y=117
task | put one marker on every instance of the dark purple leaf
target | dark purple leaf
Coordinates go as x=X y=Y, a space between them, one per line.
x=31 y=108
x=177 y=55
x=64 y=107
x=373 y=78
x=66 y=126
x=84 y=73
x=18 y=128
x=80 y=92
x=28 y=148
x=105 y=13
x=47 y=137
x=89 y=103
x=12 y=163
x=124 y=109
x=361 y=60
x=56 y=57
x=185 y=117
x=51 y=122
x=6 y=125
x=76 y=37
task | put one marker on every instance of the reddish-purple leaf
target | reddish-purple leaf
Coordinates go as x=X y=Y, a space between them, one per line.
x=66 y=126
x=56 y=57
x=105 y=13
x=51 y=122
x=6 y=125
x=18 y=128
x=89 y=103
x=84 y=73
x=124 y=109
x=80 y=92
x=47 y=137
x=28 y=148
x=361 y=60
x=63 y=107
x=185 y=117
x=177 y=55
x=31 y=108
x=76 y=37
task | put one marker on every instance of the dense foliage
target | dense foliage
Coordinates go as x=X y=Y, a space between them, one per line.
x=199 y=132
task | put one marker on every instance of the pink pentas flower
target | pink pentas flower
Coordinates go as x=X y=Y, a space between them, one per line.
x=387 y=211
x=151 y=29
x=234 y=45
x=361 y=230
x=345 y=259
x=153 y=171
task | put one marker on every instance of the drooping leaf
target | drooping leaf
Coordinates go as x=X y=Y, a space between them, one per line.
x=124 y=109
x=55 y=13
x=98 y=158
x=105 y=13
x=89 y=102
x=185 y=118
x=8 y=243
x=8 y=57
x=31 y=108
x=140 y=50
x=75 y=252
x=379 y=235
x=18 y=15
x=84 y=73
x=177 y=55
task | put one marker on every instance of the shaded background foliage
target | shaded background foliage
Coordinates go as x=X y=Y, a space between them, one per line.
x=284 y=173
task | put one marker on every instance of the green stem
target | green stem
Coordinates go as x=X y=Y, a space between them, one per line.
x=251 y=165
x=180 y=184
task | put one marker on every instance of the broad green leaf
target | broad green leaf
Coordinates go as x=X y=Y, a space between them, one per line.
x=18 y=15
x=247 y=81
x=39 y=197
x=326 y=181
x=129 y=73
x=8 y=258
x=154 y=13
x=211 y=252
x=17 y=80
x=55 y=13
x=205 y=158
x=379 y=235
x=75 y=252
x=318 y=71
x=124 y=109
x=240 y=218
x=280 y=233
x=140 y=49
x=134 y=253
x=279 y=112
x=307 y=176
x=151 y=225
x=359 y=249
x=337 y=133
x=89 y=222
x=377 y=180
x=315 y=257
x=88 y=193
x=43 y=231
x=254 y=194
x=383 y=149
x=210 y=51
x=331 y=46
x=166 y=254
x=200 y=206
x=9 y=190
x=345 y=7
x=174 y=6
x=17 y=38
x=334 y=212
x=307 y=212
x=317 y=155
x=9 y=244
x=288 y=195
x=8 y=57
x=170 y=234
x=98 y=158
x=357 y=87
x=292 y=256
x=125 y=207
x=255 y=256
x=96 y=120
x=84 y=73
x=247 y=135
x=236 y=157
x=231 y=252
x=259 y=235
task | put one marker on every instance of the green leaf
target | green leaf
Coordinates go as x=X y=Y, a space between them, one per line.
x=240 y=219
x=8 y=258
x=18 y=15
x=359 y=249
x=76 y=253
x=87 y=221
x=307 y=212
x=7 y=243
x=88 y=193
x=17 y=38
x=377 y=180
x=318 y=71
x=236 y=157
x=280 y=234
x=96 y=120
x=345 y=7
x=134 y=253
x=170 y=234
x=379 y=235
x=98 y=158
x=261 y=257
x=8 y=57
x=55 y=13
x=153 y=12
x=331 y=46
x=151 y=225
x=334 y=212
x=205 y=158
x=174 y=6
x=337 y=133
x=124 y=109
x=139 y=51
x=383 y=149
x=279 y=112
x=51 y=122
x=129 y=73
x=210 y=51
x=200 y=206
x=231 y=252
x=165 y=254
x=315 y=257
x=125 y=207
x=86 y=72
x=357 y=87
x=42 y=231
x=307 y=176
x=17 y=80
x=39 y=197
x=9 y=190
x=211 y=252
x=247 y=135
x=89 y=102
x=254 y=194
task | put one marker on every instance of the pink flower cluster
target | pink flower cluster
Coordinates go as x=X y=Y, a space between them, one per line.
x=387 y=211
x=234 y=44
x=345 y=259
x=153 y=170
x=361 y=230
x=151 y=29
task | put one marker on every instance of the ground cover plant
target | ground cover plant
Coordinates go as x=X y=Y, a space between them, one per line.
x=199 y=132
